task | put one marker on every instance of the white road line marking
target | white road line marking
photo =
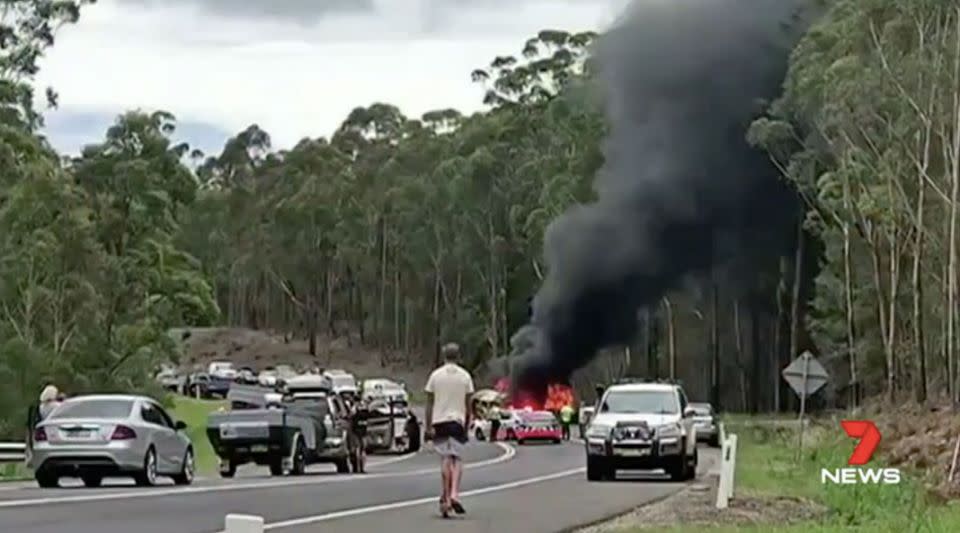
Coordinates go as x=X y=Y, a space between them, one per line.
x=508 y=454
x=420 y=501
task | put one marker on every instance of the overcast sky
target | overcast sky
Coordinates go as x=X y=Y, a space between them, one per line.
x=296 y=67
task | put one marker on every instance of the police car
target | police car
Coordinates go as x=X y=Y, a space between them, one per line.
x=642 y=426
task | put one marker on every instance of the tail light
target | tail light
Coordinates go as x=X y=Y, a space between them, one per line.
x=123 y=433
x=39 y=435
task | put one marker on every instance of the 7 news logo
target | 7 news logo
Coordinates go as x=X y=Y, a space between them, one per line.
x=868 y=434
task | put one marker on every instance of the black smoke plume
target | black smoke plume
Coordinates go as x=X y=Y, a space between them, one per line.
x=681 y=192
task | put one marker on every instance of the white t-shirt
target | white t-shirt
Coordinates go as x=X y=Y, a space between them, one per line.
x=450 y=384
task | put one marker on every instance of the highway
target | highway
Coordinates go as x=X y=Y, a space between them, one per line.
x=535 y=488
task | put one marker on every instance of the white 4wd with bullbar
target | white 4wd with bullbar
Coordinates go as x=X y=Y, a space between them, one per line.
x=642 y=426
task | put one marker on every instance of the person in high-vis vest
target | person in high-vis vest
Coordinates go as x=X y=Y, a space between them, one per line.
x=566 y=418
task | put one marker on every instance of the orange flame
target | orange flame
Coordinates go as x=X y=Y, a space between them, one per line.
x=558 y=395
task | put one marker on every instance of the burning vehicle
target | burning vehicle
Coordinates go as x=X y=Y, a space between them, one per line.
x=526 y=418
x=536 y=426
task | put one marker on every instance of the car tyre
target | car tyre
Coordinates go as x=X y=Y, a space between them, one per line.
x=230 y=470
x=299 y=459
x=413 y=437
x=679 y=468
x=714 y=441
x=47 y=480
x=599 y=469
x=188 y=471
x=148 y=476
x=556 y=441
x=92 y=480
x=478 y=434
x=692 y=468
x=343 y=465
x=276 y=466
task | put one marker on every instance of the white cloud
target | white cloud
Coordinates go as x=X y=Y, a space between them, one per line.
x=294 y=77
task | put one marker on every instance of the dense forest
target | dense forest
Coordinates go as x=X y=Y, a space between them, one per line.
x=401 y=232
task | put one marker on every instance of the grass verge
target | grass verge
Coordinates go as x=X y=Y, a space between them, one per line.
x=769 y=469
x=194 y=413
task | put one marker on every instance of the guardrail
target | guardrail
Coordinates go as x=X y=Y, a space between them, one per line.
x=728 y=468
x=13 y=452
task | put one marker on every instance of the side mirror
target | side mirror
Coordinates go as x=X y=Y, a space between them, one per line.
x=604 y=408
x=689 y=412
x=180 y=425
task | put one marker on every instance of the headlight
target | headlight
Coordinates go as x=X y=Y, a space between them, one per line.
x=598 y=431
x=668 y=431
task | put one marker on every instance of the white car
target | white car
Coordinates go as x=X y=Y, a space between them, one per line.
x=343 y=381
x=222 y=370
x=509 y=420
x=383 y=389
x=642 y=426
x=268 y=377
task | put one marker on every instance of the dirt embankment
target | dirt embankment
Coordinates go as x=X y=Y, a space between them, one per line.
x=922 y=438
x=259 y=349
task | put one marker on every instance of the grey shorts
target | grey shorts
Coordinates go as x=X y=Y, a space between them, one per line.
x=448 y=447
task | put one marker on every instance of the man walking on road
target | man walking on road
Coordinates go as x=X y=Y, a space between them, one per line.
x=449 y=389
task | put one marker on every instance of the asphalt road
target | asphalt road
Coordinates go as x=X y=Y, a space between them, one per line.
x=535 y=488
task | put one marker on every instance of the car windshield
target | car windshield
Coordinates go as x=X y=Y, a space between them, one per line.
x=342 y=381
x=93 y=409
x=627 y=401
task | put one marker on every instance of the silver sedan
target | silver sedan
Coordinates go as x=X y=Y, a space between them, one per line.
x=92 y=437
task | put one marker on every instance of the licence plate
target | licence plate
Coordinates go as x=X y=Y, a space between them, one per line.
x=630 y=452
x=258 y=448
x=83 y=434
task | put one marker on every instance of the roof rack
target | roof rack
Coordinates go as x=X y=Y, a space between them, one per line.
x=631 y=381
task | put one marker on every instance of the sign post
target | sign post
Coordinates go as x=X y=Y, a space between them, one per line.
x=805 y=375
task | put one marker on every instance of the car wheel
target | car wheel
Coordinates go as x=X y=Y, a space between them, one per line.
x=46 y=480
x=343 y=466
x=677 y=469
x=714 y=441
x=276 y=466
x=556 y=441
x=299 y=459
x=228 y=468
x=148 y=477
x=92 y=480
x=186 y=475
x=413 y=437
x=599 y=469
x=478 y=434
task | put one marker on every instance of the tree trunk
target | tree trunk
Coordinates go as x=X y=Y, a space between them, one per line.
x=396 y=304
x=331 y=322
x=848 y=301
x=778 y=326
x=795 y=298
x=437 y=324
x=755 y=386
x=671 y=338
x=715 y=347
x=738 y=340
x=382 y=314
x=894 y=266
x=954 y=197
